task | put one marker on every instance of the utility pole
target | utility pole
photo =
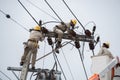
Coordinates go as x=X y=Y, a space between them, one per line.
x=25 y=67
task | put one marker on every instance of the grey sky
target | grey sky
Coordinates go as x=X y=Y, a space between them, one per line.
x=105 y=14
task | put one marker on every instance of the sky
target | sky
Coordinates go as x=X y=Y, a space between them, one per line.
x=104 y=13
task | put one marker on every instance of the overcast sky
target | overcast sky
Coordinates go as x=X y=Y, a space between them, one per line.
x=105 y=14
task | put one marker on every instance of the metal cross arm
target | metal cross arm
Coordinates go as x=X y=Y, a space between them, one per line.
x=20 y=69
x=67 y=36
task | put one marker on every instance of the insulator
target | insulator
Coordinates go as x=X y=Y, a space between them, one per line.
x=91 y=46
x=98 y=39
x=77 y=44
x=49 y=41
x=94 y=28
x=40 y=22
x=73 y=33
x=44 y=30
x=88 y=33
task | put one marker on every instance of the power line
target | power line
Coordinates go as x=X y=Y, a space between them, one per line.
x=42 y=10
x=19 y=24
x=9 y=17
x=60 y=66
x=68 y=65
x=83 y=64
x=5 y=75
x=15 y=75
x=1 y=79
x=73 y=14
x=2 y=12
x=83 y=47
x=81 y=58
x=53 y=10
x=27 y=11
x=52 y=51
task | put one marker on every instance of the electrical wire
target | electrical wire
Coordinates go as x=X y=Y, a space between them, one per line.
x=100 y=43
x=19 y=74
x=15 y=75
x=31 y=75
x=81 y=58
x=83 y=47
x=67 y=64
x=3 y=12
x=44 y=54
x=83 y=64
x=50 y=22
x=28 y=11
x=42 y=10
x=81 y=55
x=53 y=10
x=60 y=66
x=89 y=23
x=52 y=51
x=54 y=57
x=92 y=32
x=73 y=14
x=19 y=24
x=5 y=75
x=9 y=17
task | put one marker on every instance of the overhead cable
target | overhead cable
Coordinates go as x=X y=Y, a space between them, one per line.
x=53 y=10
x=60 y=66
x=73 y=14
x=5 y=75
x=83 y=48
x=50 y=22
x=83 y=64
x=42 y=10
x=9 y=17
x=67 y=65
x=53 y=50
x=27 y=11
x=15 y=75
